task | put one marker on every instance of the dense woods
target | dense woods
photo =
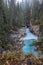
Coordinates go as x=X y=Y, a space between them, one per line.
x=13 y=16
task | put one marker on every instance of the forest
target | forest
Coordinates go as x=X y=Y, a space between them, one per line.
x=15 y=17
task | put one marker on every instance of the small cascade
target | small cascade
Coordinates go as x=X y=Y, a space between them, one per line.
x=29 y=35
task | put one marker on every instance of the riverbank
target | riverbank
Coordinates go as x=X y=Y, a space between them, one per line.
x=17 y=58
x=13 y=42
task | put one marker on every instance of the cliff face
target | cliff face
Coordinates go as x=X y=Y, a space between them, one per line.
x=35 y=29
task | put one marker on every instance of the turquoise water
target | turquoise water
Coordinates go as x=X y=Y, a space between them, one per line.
x=27 y=48
x=27 y=41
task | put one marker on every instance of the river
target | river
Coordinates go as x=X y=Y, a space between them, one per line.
x=27 y=40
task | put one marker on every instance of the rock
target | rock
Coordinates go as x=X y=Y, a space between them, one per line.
x=13 y=36
x=35 y=29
